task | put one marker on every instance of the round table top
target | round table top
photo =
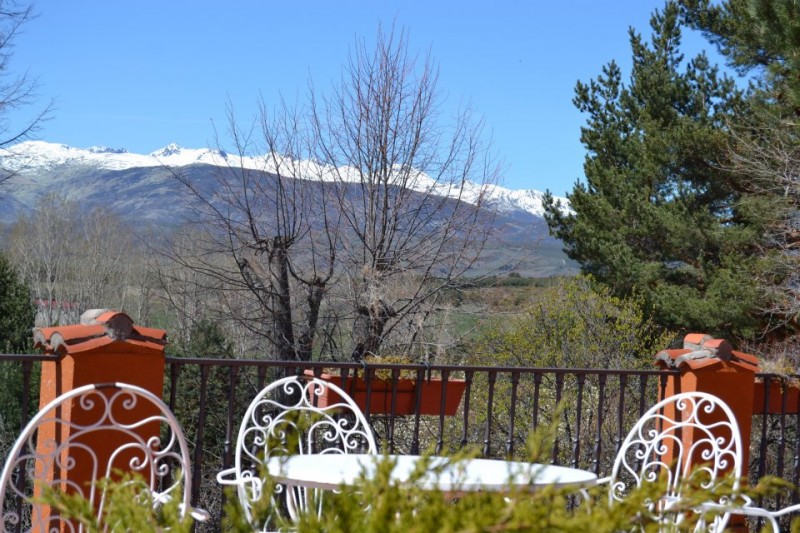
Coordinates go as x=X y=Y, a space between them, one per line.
x=329 y=471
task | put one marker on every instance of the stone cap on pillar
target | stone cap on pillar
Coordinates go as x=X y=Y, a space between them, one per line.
x=98 y=328
x=701 y=350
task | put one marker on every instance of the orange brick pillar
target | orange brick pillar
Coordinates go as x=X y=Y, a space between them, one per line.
x=711 y=365
x=105 y=347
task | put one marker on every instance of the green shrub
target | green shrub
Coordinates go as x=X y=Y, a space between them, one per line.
x=569 y=325
x=17 y=312
x=394 y=508
x=128 y=506
x=572 y=325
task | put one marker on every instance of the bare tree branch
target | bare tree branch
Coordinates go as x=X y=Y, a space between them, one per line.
x=365 y=207
x=16 y=91
x=765 y=152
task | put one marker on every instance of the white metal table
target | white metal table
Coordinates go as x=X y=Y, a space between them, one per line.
x=330 y=471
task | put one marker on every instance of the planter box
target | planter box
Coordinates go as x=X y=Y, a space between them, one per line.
x=777 y=390
x=381 y=395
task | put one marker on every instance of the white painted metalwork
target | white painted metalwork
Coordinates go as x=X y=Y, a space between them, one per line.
x=445 y=474
x=111 y=412
x=285 y=418
x=715 y=449
x=767 y=515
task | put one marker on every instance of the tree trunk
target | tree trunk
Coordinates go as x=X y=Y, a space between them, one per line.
x=316 y=291
x=283 y=330
x=369 y=327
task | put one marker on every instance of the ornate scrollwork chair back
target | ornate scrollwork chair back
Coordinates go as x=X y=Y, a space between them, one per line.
x=85 y=435
x=688 y=434
x=287 y=418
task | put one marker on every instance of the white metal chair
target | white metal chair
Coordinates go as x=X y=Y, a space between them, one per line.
x=127 y=420
x=285 y=418
x=715 y=450
x=770 y=517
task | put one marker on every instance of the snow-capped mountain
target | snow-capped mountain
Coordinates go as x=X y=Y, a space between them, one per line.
x=36 y=157
x=142 y=188
x=32 y=156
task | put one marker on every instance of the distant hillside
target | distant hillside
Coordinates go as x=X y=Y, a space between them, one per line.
x=141 y=188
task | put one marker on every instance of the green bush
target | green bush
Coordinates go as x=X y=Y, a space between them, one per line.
x=128 y=506
x=17 y=312
x=569 y=325
x=394 y=508
x=572 y=325
x=17 y=317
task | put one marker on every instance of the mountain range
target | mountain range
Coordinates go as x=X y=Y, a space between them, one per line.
x=142 y=188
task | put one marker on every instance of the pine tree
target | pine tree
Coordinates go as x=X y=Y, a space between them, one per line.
x=656 y=216
x=762 y=39
x=17 y=316
x=17 y=313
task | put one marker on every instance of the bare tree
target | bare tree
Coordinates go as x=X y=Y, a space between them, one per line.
x=411 y=190
x=192 y=288
x=268 y=245
x=75 y=260
x=364 y=209
x=16 y=91
x=765 y=152
x=39 y=247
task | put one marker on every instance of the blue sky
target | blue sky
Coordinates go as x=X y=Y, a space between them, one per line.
x=142 y=74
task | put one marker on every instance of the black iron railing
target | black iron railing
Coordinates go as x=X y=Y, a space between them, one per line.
x=499 y=409
x=21 y=393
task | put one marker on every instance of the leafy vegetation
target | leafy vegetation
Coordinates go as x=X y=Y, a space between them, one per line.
x=128 y=506
x=17 y=315
x=17 y=312
x=572 y=325
x=692 y=193
x=657 y=217
x=675 y=213
x=760 y=38
x=688 y=220
x=402 y=508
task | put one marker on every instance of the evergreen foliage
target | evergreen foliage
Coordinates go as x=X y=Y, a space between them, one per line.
x=657 y=216
x=206 y=339
x=17 y=313
x=209 y=386
x=128 y=506
x=762 y=38
x=17 y=316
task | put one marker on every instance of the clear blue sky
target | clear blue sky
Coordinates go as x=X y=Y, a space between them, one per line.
x=142 y=74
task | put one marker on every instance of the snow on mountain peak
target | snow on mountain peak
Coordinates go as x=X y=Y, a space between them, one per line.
x=168 y=150
x=106 y=150
x=529 y=200
x=32 y=156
